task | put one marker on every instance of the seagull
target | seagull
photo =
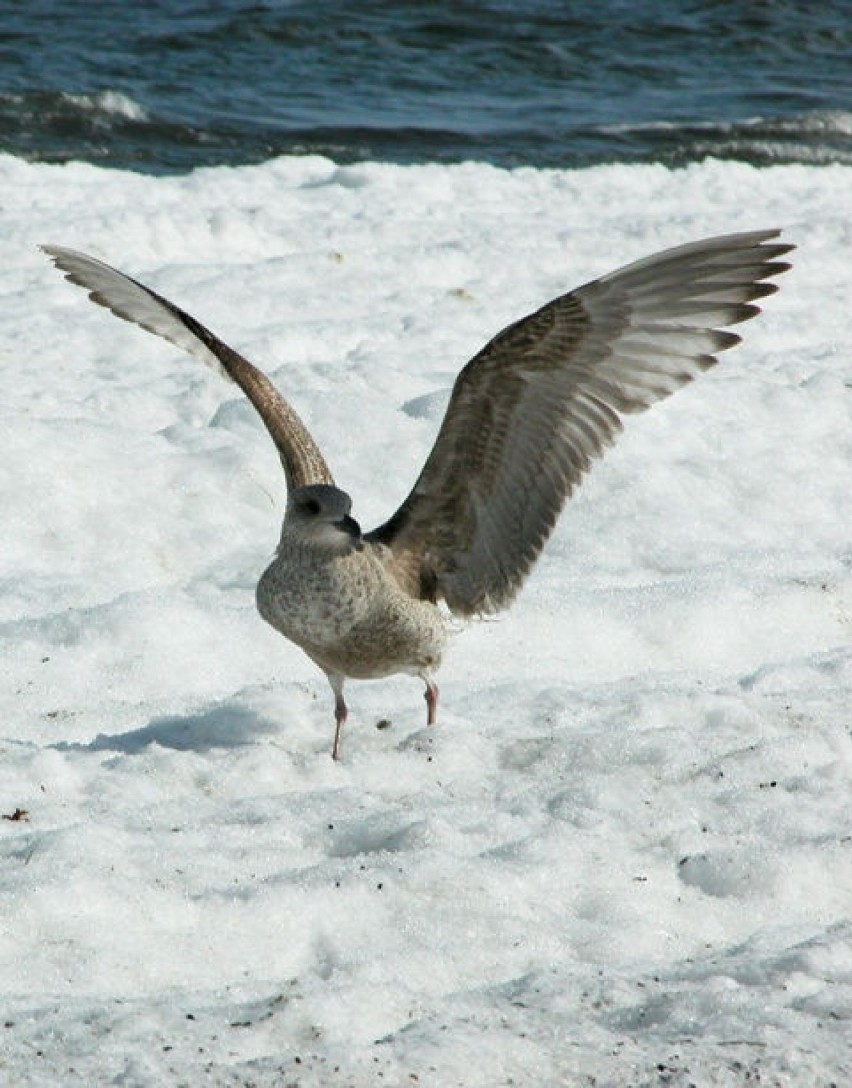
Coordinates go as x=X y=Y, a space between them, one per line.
x=526 y=418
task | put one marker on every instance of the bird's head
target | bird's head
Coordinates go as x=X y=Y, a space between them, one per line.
x=318 y=517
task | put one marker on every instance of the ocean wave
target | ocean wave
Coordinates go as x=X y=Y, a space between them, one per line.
x=112 y=127
x=816 y=138
x=105 y=126
x=817 y=121
x=49 y=107
x=108 y=103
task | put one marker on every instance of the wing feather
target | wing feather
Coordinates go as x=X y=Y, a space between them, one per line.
x=133 y=301
x=531 y=412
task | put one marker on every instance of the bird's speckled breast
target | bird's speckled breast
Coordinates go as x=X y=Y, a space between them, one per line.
x=349 y=614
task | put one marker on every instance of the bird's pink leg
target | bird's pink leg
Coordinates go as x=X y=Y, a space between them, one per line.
x=340 y=714
x=431 y=697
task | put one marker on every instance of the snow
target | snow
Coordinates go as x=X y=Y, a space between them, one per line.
x=623 y=857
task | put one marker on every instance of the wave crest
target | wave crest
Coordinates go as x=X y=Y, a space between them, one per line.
x=111 y=103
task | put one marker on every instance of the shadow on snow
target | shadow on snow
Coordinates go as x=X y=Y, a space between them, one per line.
x=219 y=727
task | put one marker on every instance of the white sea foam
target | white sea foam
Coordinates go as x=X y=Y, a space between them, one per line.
x=623 y=855
x=109 y=102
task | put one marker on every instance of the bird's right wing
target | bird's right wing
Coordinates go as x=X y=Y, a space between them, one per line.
x=127 y=298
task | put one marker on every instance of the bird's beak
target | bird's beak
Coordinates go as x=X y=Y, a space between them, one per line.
x=352 y=529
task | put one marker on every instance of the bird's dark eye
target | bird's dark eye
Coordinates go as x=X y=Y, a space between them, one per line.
x=311 y=506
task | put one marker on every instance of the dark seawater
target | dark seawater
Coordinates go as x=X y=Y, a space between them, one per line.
x=166 y=85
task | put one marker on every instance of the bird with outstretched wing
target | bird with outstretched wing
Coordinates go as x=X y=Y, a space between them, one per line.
x=526 y=418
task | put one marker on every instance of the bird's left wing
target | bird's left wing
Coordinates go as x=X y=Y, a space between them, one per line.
x=532 y=410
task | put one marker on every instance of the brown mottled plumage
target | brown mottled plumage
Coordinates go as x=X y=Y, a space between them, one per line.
x=527 y=417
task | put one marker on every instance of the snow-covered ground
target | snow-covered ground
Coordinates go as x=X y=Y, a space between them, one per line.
x=623 y=857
